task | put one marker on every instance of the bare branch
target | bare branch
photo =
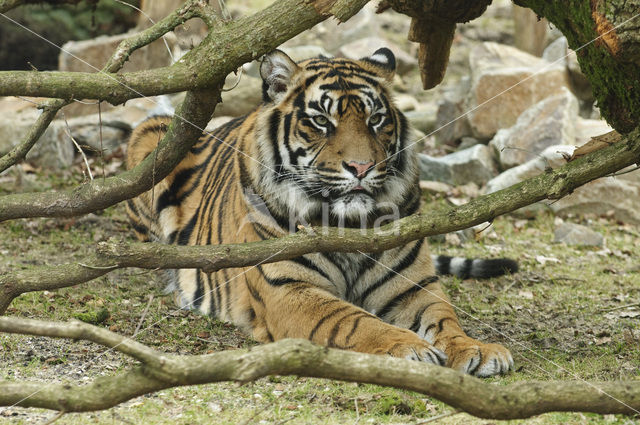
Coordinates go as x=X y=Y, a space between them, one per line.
x=302 y=358
x=251 y=37
x=112 y=254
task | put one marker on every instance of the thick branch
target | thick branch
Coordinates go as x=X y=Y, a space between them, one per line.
x=226 y=47
x=183 y=132
x=116 y=61
x=110 y=255
x=302 y=358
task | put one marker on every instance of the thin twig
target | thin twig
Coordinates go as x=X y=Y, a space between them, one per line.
x=144 y=314
x=104 y=175
x=620 y=307
x=437 y=418
x=55 y=418
x=84 y=157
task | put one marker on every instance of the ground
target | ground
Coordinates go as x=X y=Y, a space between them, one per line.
x=570 y=313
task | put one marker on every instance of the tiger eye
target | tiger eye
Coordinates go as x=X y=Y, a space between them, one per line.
x=375 y=119
x=321 y=120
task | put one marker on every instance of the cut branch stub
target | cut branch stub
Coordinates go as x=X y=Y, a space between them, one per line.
x=435 y=37
x=433 y=25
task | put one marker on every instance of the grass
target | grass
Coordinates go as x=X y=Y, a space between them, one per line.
x=564 y=319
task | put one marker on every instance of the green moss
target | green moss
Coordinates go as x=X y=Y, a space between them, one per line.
x=94 y=317
x=616 y=85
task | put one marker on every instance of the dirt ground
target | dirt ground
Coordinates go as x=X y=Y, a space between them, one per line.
x=570 y=313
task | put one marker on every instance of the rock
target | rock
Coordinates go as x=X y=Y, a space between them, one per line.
x=576 y=234
x=435 y=187
x=92 y=55
x=469 y=165
x=452 y=122
x=602 y=196
x=467 y=142
x=54 y=149
x=406 y=102
x=366 y=46
x=586 y=129
x=560 y=53
x=505 y=82
x=423 y=118
x=242 y=99
x=547 y=123
x=551 y=157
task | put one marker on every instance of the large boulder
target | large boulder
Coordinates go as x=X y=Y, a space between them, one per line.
x=576 y=234
x=54 y=149
x=547 y=123
x=559 y=53
x=241 y=99
x=469 y=165
x=551 y=157
x=92 y=55
x=504 y=83
x=452 y=121
x=609 y=195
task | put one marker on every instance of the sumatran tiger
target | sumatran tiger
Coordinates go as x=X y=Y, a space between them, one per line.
x=327 y=146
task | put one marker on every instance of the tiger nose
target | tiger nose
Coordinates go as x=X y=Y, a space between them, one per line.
x=358 y=169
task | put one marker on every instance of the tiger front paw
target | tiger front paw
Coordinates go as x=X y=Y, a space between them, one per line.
x=410 y=346
x=476 y=358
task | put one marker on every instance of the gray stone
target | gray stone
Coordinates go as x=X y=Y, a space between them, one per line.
x=586 y=129
x=576 y=234
x=406 y=102
x=560 y=53
x=547 y=123
x=603 y=196
x=423 y=118
x=54 y=149
x=551 y=157
x=451 y=121
x=91 y=55
x=505 y=82
x=242 y=99
x=366 y=46
x=469 y=165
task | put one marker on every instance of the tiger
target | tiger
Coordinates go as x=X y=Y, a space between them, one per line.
x=327 y=146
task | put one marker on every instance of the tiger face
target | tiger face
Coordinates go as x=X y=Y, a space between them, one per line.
x=336 y=138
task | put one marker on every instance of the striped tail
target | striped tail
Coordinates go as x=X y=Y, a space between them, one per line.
x=477 y=268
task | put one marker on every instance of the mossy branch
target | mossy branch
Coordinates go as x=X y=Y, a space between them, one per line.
x=224 y=49
x=302 y=358
x=112 y=254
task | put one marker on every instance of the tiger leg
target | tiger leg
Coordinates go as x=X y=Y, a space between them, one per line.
x=302 y=310
x=426 y=310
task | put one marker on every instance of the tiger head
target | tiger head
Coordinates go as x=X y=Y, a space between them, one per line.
x=336 y=141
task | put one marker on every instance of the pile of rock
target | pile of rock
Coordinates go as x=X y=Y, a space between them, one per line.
x=524 y=115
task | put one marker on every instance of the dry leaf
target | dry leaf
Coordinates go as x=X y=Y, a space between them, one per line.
x=596 y=143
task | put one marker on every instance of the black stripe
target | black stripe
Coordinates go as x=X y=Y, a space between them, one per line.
x=395 y=301
x=443 y=264
x=197 y=301
x=305 y=262
x=331 y=342
x=324 y=319
x=465 y=271
x=406 y=261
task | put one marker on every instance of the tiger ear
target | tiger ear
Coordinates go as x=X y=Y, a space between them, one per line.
x=276 y=71
x=384 y=62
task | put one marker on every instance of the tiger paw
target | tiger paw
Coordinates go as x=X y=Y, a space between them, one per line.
x=411 y=347
x=476 y=358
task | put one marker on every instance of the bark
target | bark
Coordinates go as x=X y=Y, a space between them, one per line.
x=433 y=25
x=610 y=58
x=302 y=358
x=228 y=45
x=111 y=255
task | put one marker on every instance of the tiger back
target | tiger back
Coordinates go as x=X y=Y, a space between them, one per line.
x=327 y=147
